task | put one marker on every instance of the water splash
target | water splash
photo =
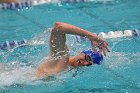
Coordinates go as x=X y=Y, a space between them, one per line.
x=10 y=75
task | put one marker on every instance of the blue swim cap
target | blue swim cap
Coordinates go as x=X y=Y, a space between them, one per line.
x=97 y=57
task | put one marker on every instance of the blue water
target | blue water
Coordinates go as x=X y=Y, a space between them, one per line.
x=118 y=74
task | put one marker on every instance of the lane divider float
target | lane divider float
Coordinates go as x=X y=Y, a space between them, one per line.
x=8 y=45
x=16 y=5
x=29 y=3
x=111 y=34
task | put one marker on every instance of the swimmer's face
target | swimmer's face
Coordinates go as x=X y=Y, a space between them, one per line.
x=82 y=60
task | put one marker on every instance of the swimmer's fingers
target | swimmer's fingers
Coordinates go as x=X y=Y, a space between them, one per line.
x=103 y=46
x=94 y=46
x=104 y=52
x=106 y=46
x=107 y=49
x=101 y=41
x=100 y=45
x=100 y=51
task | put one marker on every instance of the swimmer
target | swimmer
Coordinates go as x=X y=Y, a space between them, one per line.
x=59 y=58
x=7 y=1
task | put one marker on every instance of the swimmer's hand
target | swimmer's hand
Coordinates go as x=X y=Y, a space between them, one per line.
x=100 y=43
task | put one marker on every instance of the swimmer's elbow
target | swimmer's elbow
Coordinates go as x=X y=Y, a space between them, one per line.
x=58 y=26
x=58 y=23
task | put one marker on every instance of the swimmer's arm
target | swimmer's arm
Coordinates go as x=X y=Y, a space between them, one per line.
x=65 y=28
x=60 y=30
x=58 y=36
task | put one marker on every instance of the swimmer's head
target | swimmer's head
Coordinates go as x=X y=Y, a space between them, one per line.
x=86 y=58
x=96 y=58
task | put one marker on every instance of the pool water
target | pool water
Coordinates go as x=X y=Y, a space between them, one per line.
x=119 y=72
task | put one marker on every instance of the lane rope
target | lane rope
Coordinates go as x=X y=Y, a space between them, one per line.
x=111 y=34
